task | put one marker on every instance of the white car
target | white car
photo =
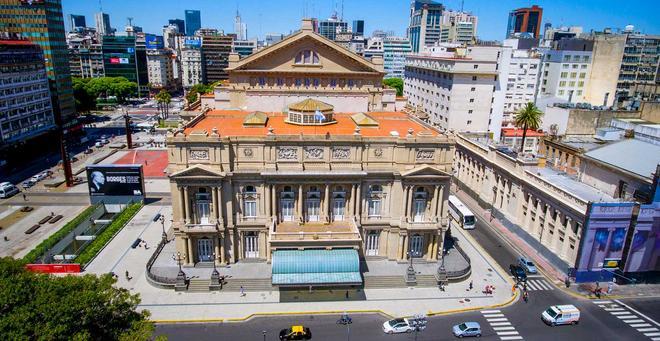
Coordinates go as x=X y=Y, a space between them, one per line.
x=38 y=177
x=400 y=325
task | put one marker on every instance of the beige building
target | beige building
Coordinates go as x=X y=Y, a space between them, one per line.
x=607 y=55
x=304 y=65
x=251 y=185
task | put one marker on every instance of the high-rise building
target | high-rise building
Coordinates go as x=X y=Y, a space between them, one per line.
x=103 y=27
x=565 y=72
x=374 y=47
x=179 y=23
x=25 y=101
x=525 y=22
x=170 y=35
x=121 y=58
x=458 y=27
x=216 y=48
x=77 y=21
x=43 y=23
x=425 y=25
x=160 y=68
x=85 y=56
x=358 y=27
x=519 y=71
x=244 y=48
x=639 y=76
x=193 y=21
x=330 y=27
x=463 y=82
x=395 y=50
x=272 y=38
x=192 y=65
x=240 y=28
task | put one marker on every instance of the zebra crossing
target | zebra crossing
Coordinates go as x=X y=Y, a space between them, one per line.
x=538 y=284
x=501 y=325
x=622 y=312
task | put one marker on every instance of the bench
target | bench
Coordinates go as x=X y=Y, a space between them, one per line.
x=45 y=219
x=32 y=229
x=55 y=219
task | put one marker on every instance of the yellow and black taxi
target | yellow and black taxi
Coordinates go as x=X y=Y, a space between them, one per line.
x=295 y=333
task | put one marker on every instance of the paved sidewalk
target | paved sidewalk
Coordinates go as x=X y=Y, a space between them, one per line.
x=168 y=305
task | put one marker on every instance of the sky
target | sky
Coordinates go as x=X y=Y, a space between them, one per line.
x=282 y=16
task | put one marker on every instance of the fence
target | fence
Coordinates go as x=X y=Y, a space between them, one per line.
x=160 y=281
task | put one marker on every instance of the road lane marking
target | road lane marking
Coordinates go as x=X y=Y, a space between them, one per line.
x=625 y=317
x=639 y=325
x=511 y=338
x=624 y=312
x=501 y=324
x=638 y=313
x=602 y=302
x=643 y=330
x=531 y=286
x=497 y=319
x=634 y=321
x=493 y=315
x=652 y=334
x=614 y=309
x=508 y=333
x=490 y=311
x=504 y=328
x=546 y=285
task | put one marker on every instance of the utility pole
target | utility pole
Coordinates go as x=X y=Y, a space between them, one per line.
x=66 y=165
x=129 y=137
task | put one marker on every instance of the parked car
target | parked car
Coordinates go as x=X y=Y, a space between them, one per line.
x=561 y=314
x=518 y=273
x=28 y=183
x=467 y=329
x=400 y=325
x=98 y=144
x=38 y=177
x=295 y=333
x=45 y=174
x=527 y=265
x=7 y=190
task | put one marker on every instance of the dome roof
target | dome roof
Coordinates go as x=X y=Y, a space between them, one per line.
x=310 y=105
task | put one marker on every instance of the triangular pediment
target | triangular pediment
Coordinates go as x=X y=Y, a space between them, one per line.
x=281 y=57
x=198 y=172
x=424 y=171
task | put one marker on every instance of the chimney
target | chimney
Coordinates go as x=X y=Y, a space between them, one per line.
x=307 y=25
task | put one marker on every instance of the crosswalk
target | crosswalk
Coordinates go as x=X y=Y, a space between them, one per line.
x=539 y=284
x=501 y=325
x=631 y=318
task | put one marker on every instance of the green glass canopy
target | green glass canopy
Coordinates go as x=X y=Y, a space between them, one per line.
x=316 y=267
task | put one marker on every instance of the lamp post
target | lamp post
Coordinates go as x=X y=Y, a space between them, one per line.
x=162 y=224
x=215 y=276
x=263 y=332
x=127 y=120
x=410 y=273
x=181 y=276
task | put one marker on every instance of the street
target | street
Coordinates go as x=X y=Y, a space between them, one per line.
x=600 y=319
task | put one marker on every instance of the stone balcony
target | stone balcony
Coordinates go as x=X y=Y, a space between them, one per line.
x=314 y=234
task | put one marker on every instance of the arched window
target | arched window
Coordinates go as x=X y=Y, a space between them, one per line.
x=376 y=188
x=307 y=57
x=249 y=189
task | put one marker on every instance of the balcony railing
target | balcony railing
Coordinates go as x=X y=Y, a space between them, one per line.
x=292 y=231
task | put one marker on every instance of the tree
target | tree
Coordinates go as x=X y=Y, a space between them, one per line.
x=93 y=88
x=164 y=98
x=529 y=117
x=396 y=83
x=45 y=307
x=85 y=102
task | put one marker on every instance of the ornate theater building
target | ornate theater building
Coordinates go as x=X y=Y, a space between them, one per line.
x=312 y=178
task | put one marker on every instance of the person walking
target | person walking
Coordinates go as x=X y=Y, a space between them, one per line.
x=346 y=294
x=513 y=290
x=128 y=278
x=470 y=286
x=24 y=197
x=609 y=288
x=242 y=291
x=525 y=296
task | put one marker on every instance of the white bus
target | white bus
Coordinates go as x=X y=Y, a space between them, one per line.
x=461 y=214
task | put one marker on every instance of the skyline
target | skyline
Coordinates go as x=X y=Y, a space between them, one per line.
x=490 y=27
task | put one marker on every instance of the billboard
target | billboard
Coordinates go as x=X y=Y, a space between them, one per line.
x=192 y=43
x=154 y=42
x=644 y=253
x=119 y=60
x=115 y=180
x=606 y=228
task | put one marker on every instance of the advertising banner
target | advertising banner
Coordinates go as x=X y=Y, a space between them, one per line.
x=644 y=253
x=114 y=60
x=53 y=268
x=123 y=60
x=605 y=235
x=192 y=43
x=154 y=42
x=115 y=180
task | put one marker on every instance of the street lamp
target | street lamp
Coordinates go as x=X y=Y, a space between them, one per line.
x=127 y=120
x=162 y=223
x=263 y=332
x=410 y=273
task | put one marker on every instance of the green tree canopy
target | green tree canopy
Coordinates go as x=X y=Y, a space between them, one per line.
x=93 y=88
x=45 y=307
x=528 y=117
x=197 y=89
x=395 y=83
x=84 y=100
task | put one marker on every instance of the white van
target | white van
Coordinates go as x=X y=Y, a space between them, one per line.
x=7 y=190
x=561 y=314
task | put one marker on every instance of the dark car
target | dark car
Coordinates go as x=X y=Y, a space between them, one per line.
x=295 y=333
x=518 y=272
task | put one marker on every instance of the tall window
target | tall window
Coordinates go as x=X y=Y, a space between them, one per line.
x=375 y=201
x=419 y=204
x=249 y=202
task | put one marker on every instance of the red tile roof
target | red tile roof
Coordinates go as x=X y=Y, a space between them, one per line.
x=515 y=132
x=230 y=123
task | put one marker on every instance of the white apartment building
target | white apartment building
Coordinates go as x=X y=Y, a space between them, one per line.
x=395 y=50
x=519 y=71
x=458 y=27
x=565 y=75
x=160 y=68
x=191 y=66
x=374 y=47
x=456 y=87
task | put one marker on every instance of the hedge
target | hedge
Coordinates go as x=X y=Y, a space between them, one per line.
x=49 y=242
x=104 y=238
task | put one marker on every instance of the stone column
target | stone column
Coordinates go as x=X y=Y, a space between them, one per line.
x=405 y=246
x=214 y=205
x=351 y=204
x=431 y=246
x=240 y=243
x=182 y=204
x=434 y=202
x=223 y=240
x=186 y=204
x=358 y=199
x=232 y=254
x=218 y=191
x=262 y=244
x=217 y=250
x=300 y=203
x=399 y=249
x=410 y=201
x=437 y=241
x=267 y=199
x=230 y=206
x=189 y=252
x=273 y=198
x=441 y=202
x=326 y=202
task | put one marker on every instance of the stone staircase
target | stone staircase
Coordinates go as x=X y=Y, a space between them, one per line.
x=384 y=282
x=249 y=284
x=198 y=285
x=426 y=281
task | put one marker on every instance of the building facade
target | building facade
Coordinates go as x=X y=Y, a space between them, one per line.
x=425 y=24
x=395 y=50
x=565 y=74
x=43 y=23
x=519 y=72
x=193 y=21
x=525 y=21
x=103 y=27
x=245 y=185
x=85 y=57
x=331 y=26
x=303 y=65
x=216 y=48
x=456 y=87
x=192 y=63
x=244 y=48
x=458 y=27
x=640 y=67
x=77 y=21
x=160 y=68
x=25 y=103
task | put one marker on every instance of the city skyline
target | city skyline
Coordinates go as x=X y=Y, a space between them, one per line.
x=492 y=16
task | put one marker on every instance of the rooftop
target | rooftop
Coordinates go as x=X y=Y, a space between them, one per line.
x=572 y=185
x=631 y=155
x=230 y=123
x=515 y=132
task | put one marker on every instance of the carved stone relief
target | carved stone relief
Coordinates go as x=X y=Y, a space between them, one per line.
x=287 y=153
x=378 y=152
x=198 y=154
x=314 y=153
x=248 y=153
x=425 y=154
x=341 y=153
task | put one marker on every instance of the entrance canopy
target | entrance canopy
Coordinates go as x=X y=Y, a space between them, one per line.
x=316 y=267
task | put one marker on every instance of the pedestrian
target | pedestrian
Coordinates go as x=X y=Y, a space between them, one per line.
x=470 y=286
x=24 y=197
x=609 y=288
x=525 y=296
x=346 y=294
x=513 y=290
x=128 y=278
x=52 y=214
x=145 y=245
x=6 y=239
x=525 y=287
x=242 y=291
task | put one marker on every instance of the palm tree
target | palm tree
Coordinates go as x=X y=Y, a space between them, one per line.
x=529 y=117
x=164 y=98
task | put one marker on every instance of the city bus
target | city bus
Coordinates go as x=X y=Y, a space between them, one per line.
x=460 y=214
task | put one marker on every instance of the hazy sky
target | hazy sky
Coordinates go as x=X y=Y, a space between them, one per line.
x=282 y=16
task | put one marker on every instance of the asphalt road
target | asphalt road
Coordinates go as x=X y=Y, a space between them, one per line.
x=525 y=318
